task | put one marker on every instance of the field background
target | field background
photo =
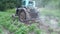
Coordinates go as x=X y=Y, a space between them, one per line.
x=7 y=26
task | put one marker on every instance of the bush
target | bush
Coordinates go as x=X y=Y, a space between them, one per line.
x=9 y=4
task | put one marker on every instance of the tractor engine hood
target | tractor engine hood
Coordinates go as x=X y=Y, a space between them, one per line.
x=33 y=13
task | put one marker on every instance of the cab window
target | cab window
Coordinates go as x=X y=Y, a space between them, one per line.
x=24 y=2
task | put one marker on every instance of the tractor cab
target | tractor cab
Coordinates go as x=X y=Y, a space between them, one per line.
x=28 y=3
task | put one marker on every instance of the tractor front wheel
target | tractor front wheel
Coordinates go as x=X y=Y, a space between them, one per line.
x=22 y=15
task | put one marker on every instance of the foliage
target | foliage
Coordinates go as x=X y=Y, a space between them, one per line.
x=0 y=30
x=9 y=4
x=17 y=27
x=37 y=31
x=53 y=4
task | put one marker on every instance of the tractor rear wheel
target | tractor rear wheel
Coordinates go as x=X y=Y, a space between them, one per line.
x=22 y=15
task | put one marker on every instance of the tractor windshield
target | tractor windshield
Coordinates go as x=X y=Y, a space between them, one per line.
x=24 y=2
x=30 y=3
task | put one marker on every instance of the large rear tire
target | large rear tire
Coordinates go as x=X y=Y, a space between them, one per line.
x=22 y=15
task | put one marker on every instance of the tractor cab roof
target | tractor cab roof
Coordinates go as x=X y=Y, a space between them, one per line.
x=28 y=3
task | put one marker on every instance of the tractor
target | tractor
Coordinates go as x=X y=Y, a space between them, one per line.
x=27 y=11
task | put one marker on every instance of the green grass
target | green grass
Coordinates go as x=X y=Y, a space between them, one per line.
x=53 y=12
x=6 y=22
x=1 y=30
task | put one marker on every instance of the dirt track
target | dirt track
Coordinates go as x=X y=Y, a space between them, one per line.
x=49 y=26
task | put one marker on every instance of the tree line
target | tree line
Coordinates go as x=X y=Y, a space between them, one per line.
x=48 y=3
x=9 y=4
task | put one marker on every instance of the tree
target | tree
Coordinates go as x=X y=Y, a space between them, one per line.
x=9 y=4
